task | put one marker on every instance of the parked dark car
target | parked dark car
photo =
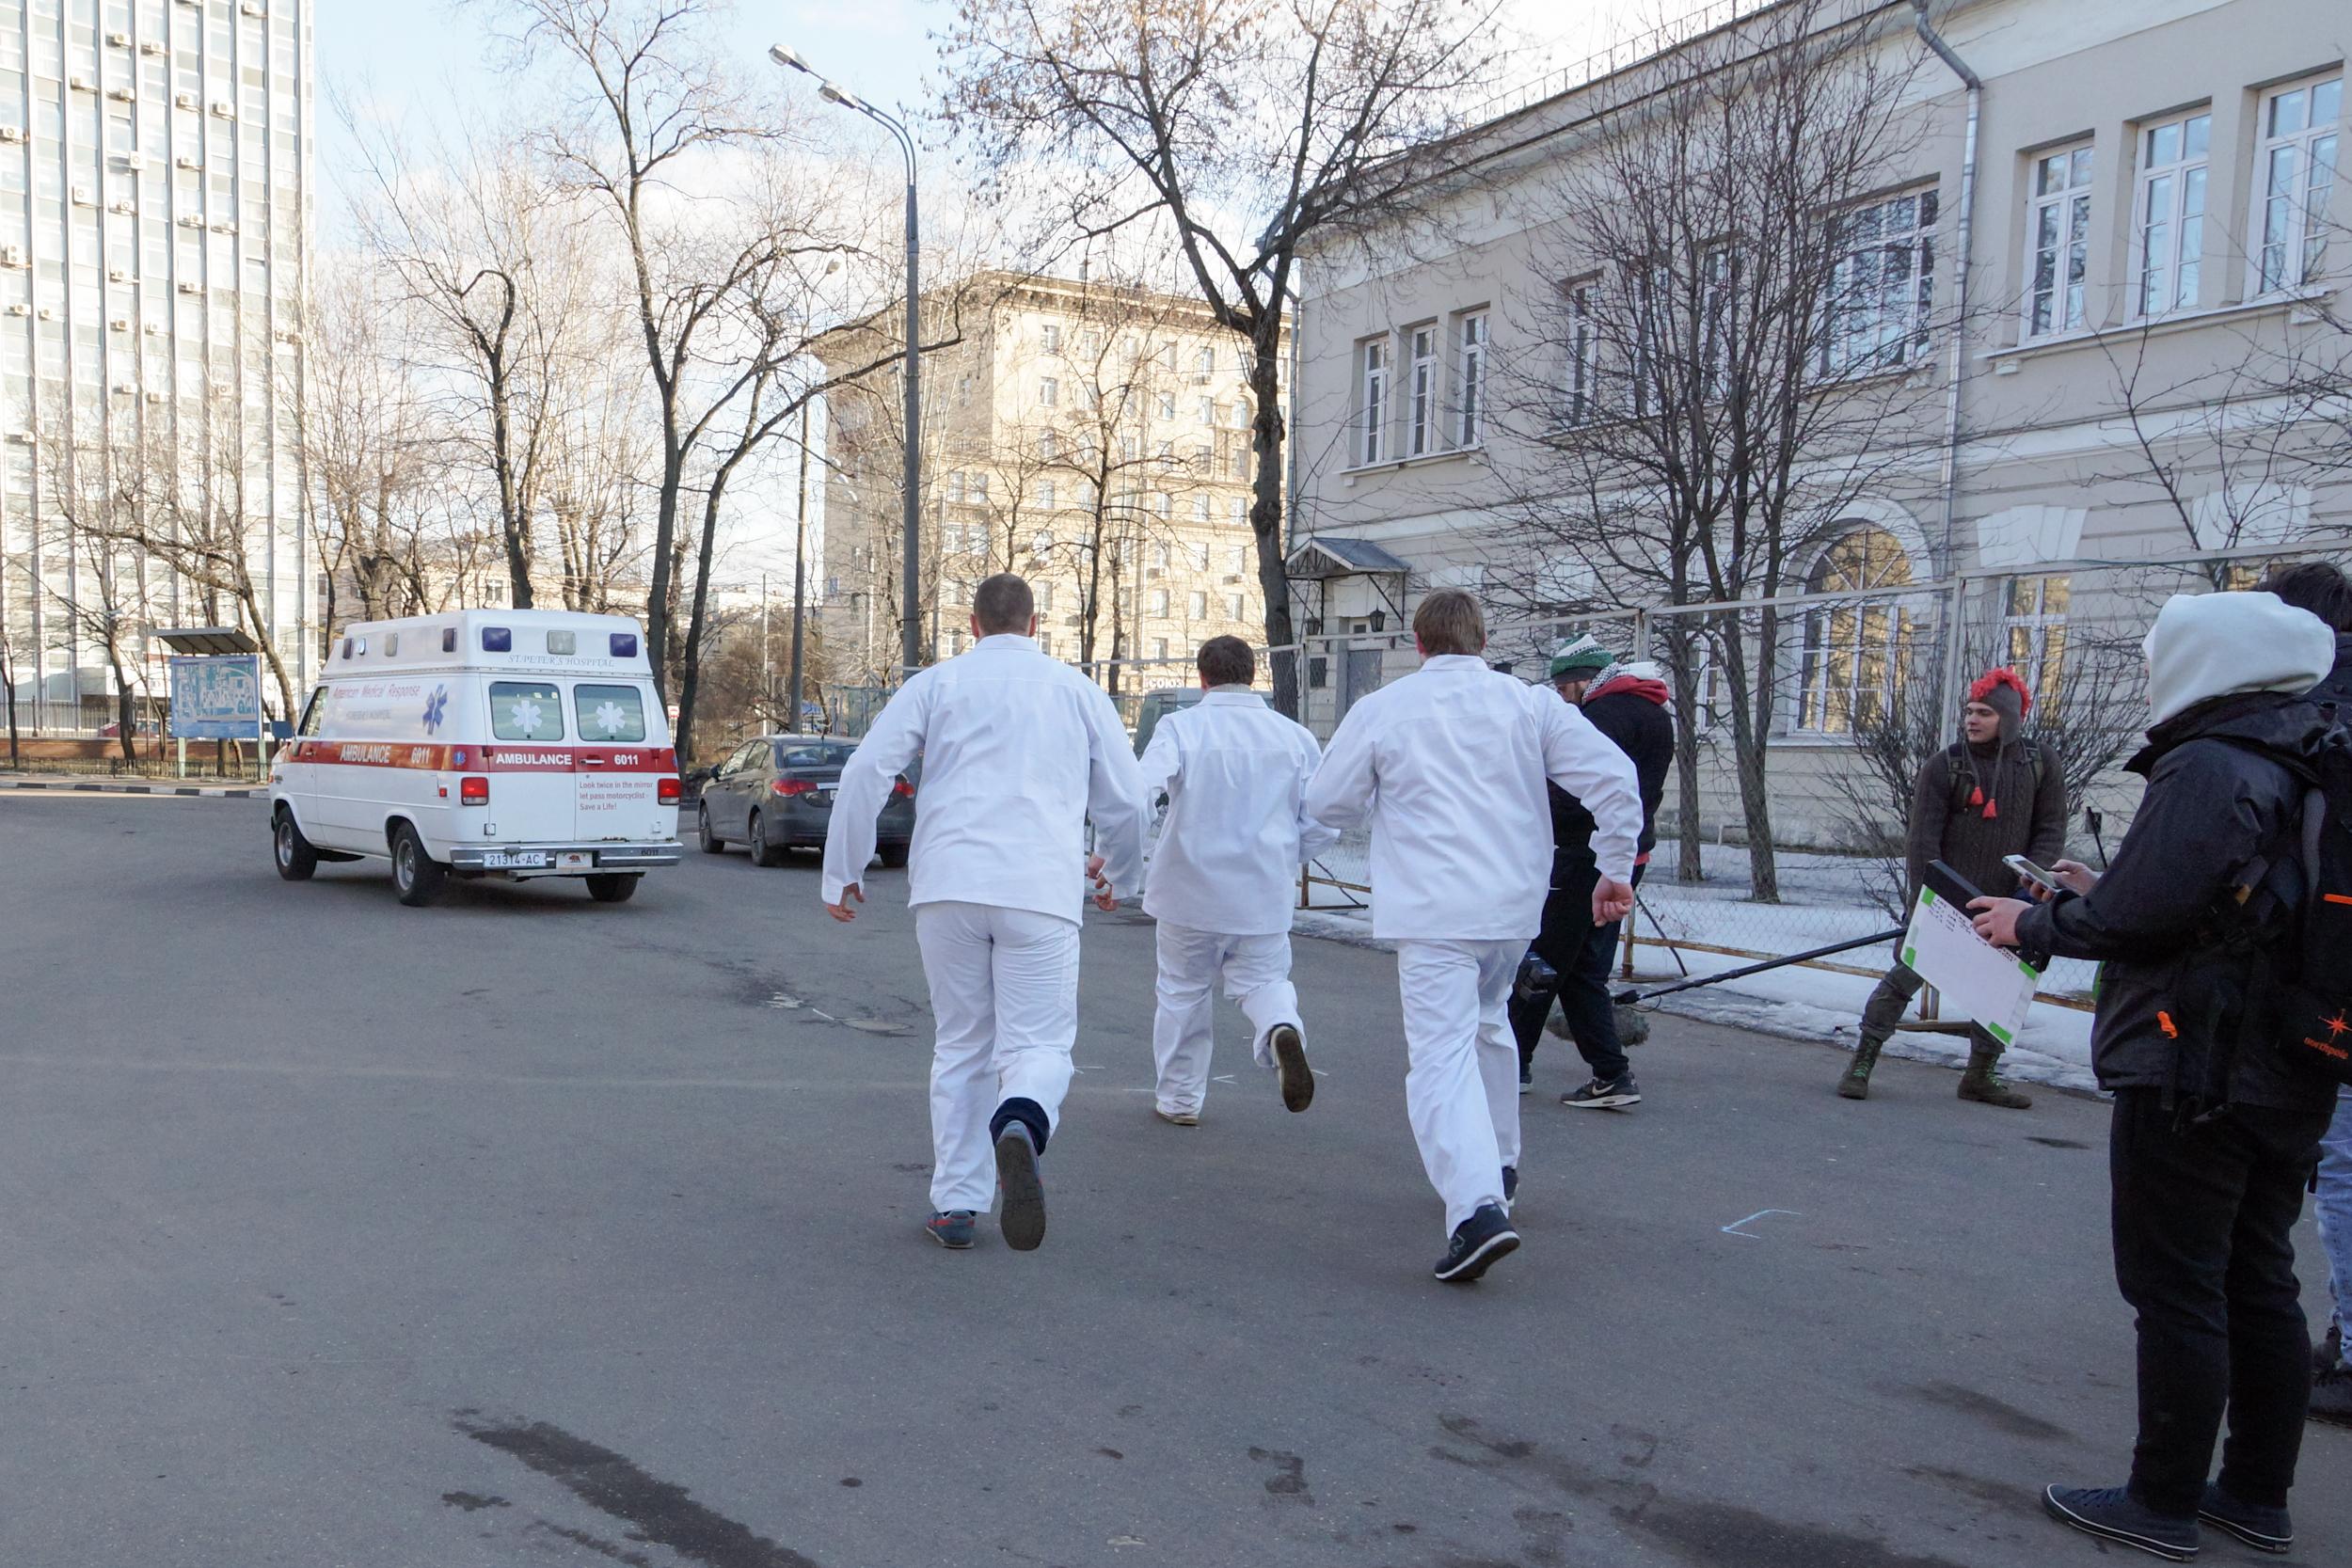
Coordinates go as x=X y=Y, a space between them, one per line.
x=775 y=793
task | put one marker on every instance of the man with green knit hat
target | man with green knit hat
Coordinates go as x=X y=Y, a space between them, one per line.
x=1991 y=794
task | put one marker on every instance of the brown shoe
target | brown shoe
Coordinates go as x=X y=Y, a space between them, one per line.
x=1987 y=1088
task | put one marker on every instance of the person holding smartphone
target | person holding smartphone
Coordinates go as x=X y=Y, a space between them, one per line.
x=1992 y=794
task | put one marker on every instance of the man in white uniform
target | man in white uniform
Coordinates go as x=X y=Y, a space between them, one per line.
x=1224 y=878
x=1449 y=764
x=1018 y=752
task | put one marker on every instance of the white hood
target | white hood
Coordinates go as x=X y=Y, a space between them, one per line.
x=2215 y=644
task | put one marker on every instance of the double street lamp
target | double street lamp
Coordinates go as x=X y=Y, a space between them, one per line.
x=911 y=593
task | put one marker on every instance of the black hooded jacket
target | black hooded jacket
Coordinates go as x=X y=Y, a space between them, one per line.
x=2172 y=993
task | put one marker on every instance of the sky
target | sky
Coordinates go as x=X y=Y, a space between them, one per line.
x=421 y=60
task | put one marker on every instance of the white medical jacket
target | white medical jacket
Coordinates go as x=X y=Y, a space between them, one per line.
x=1018 y=752
x=1449 y=764
x=1236 y=772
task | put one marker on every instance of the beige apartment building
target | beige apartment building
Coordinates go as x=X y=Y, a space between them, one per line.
x=1092 y=436
x=2091 y=304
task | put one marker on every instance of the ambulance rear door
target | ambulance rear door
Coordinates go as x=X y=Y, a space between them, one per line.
x=530 y=762
x=624 y=754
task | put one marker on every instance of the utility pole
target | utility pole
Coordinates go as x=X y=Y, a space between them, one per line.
x=800 y=570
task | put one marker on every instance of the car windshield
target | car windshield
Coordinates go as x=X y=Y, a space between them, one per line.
x=796 y=754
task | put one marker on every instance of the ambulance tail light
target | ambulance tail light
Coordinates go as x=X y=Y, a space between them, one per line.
x=473 y=790
x=792 y=786
x=668 y=789
x=903 y=788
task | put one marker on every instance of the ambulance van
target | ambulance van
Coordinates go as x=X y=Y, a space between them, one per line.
x=514 y=743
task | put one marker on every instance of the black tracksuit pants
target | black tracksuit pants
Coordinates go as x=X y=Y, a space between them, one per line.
x=1583 y=953
x=2202 y=1220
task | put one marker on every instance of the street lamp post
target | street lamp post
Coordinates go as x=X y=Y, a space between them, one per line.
x=911 y=591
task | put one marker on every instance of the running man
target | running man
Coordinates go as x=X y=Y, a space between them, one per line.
x=1018 y=752
x=1449 y=764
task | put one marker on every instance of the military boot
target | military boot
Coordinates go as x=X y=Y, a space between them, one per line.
x=1855 y=1083
x=1981 y=1083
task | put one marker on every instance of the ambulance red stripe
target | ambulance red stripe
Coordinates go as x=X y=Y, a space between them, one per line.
x=499 y=757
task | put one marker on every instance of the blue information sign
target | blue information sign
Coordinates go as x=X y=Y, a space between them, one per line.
x=216 y=697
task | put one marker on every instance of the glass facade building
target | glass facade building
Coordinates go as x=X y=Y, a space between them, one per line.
x=155 y=209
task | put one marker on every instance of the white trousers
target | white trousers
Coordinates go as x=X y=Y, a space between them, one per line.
x=1257 y=974
x=1462 y=1074
x=1005 y=1006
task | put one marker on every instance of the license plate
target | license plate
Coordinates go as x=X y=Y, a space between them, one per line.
x=575 y=859
x=515 y=860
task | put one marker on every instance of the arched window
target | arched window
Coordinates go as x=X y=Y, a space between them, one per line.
x=1852 y=652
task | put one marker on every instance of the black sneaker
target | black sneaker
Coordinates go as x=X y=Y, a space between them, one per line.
x=2327 y=1354
x=1021 y=1209
x=2332 y=1396
x=1527 y=1076
x=1478 y=1240
x=951 y=1228
x=1290 y=1066
x=2112 y=1514
x=1615 y=1095
x=1510 y=1187
x=2265 y=1529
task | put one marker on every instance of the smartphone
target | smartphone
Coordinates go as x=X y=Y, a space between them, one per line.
x=2033 y=872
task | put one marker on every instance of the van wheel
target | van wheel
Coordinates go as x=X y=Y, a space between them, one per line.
x=894 y=855
x=712 y=843
x=763 y=852
x=417 y=876
x=296 y=859
x=612 y=887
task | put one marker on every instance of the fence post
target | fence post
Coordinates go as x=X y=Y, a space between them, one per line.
x=1641 y=641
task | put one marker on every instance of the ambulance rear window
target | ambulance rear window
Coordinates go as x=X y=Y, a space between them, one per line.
x=609 y=712
x=526 y=710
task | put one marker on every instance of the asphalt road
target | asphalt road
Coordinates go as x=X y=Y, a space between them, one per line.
x=531 y=1230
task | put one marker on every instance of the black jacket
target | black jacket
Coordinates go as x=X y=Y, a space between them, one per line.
x=1645 y=732
x=2169 y=995
x=2337 y=688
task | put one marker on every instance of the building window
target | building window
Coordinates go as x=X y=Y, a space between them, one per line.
x=1049 y=392
x=1471 y=378
x=1882 y=286
x=1579 y=381
x=1163 y=504
x=2057 y=230
x=1371 y=405
x=1199 y=607
x=2170 y=237
x=1239 y=510
x=2293 y=174
x=1159 y=557
x=1204 y=365
x=1199 y=551
x=1237 y=560
x=1167 y=405
x=1847 y=673
x=1045 y=643
x=1049 y=337
x=1233 y=607
x=1045 y=495
x=1205 y=411
x=1201 y=511
x=1159 y=647
x=1044 y=596
x=1159 y=601
x=1422 y=390
x=1048 y=445
x=2036 y=625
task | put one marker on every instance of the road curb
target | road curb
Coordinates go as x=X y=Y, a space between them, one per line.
x=108 y=787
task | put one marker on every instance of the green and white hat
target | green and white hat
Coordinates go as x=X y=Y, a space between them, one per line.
x=1588 y=656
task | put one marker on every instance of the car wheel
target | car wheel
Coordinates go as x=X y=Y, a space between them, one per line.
x=894 y=855
x=417 y=876
x=612 y=887
x=763 y=852
x=296 y=859
x=712 y=843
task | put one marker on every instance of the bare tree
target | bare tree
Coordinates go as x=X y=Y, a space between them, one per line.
x=1252 y=130
x=90 y=509
x=1721 y=371
x=7 y=675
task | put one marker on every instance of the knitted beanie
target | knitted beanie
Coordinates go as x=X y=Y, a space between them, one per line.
x=1587 y=657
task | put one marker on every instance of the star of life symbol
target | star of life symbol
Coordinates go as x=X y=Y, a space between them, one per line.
x=610 y=717
x=527 y=714
x=436 y=707
x=2338 y=1026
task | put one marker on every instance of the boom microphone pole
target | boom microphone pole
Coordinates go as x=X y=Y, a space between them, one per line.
x=1627 y=998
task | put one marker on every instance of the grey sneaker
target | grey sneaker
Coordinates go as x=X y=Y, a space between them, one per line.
x=1178 y=1118
x=951 y=1228
x=1614 y=1095
x=1290 y=1065
x=1020 y=1206
x=2112 y=1514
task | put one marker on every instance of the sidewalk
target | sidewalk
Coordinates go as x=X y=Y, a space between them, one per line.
x=90 y=786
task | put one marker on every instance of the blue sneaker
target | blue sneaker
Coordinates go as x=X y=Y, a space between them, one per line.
x=2112 y=1514
x=1020 y=1208
x=1477 y=1242
x=2265 y=1529
x=951 y=1228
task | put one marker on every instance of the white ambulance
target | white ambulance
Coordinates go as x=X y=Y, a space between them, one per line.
x=514 y=743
